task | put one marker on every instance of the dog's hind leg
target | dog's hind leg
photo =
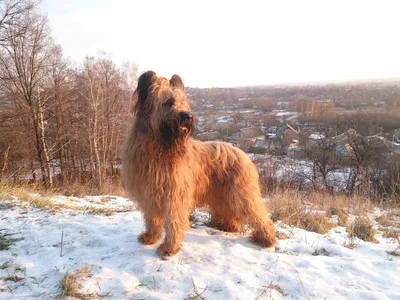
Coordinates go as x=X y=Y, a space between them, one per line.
x=153 y=229
x=248 y=208
x=264 y=230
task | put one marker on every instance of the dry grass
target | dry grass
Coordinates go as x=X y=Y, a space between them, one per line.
x=356 y=205
x=315 y=222
x=99 y=211
x=13 y=278
x=5 y=242
x=110 y=187
x=281 y=235
x=363 y=229
x=293 y=210
x=5 y=265
x=84 y=272
x=389 y=218
x=350 y=243
x=285 y=204
x=392 y=234
x=383 y=220
x=296 y=209
x=278 y=289
x=286 y=207
x=70 y=287
x=40 y=201
x=340 y=213
x=35 y=195
x=267 y=290
x=5 y=191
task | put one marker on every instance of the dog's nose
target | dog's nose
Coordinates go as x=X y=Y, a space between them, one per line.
x=186 y=117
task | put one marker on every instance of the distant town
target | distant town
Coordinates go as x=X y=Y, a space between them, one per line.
x=332 y=135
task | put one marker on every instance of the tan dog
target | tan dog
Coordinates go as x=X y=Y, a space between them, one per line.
x=168 y=173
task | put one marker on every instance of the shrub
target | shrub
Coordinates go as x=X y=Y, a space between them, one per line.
x=363 y=229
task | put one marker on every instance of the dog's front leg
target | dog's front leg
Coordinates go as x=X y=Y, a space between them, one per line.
x=176 y=221
x=153 y=228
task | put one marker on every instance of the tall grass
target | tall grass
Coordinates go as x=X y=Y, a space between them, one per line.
x=313 y=211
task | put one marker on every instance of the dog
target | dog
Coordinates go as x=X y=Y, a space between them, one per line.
x=169 y=173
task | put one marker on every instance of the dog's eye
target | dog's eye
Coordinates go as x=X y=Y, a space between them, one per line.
x=169 y=102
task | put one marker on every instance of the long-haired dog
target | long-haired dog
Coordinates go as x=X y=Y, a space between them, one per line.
x=168 y=173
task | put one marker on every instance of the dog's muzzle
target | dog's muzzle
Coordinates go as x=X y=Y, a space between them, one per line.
x=186 y=121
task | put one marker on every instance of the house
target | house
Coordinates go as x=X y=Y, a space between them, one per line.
x=246 y=137
x=315 y=139
x=269 y=119
x=209 y=136
x=271 y=146
x=341 y=141
x=224 y=122
x=271 y=132
x=383 y=146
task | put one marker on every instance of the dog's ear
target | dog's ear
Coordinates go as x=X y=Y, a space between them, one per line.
x=176 y=82
x=144 y=83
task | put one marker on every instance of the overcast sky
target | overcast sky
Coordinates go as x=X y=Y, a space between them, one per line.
x=236 y=43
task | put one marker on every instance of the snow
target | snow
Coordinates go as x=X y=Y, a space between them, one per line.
x=212 y=263
x=96 y=202
x=317 y=136
x=286 y=113
x=223 y=119
x=282 y=113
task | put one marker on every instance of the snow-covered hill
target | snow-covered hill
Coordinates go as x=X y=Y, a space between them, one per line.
x=211 y=265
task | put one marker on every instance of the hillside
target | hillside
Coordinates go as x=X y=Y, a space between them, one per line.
x=102 y=259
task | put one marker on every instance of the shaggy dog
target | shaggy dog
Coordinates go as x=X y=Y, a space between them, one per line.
x=168 y=173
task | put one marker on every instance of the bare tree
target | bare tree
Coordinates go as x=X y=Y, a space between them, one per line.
x=105 y=91
x=323 y=160
x=366 y=158
x=24 y=64
x=12 y=18
x=56 y=120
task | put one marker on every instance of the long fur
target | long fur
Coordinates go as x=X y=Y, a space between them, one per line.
x=168 y=173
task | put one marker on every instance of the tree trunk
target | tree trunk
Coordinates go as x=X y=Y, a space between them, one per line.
x=5 y=160
x=39 y=153
x=44 y=146
x=96 y=149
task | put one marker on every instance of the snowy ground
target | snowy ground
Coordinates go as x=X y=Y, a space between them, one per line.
x=212 y=264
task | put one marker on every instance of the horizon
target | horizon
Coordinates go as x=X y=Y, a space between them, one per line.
x=232 y=44
x=351 y=81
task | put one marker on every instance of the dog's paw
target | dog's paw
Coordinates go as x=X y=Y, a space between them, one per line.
x=147 y=239
x=165 y=251
x=262 y=239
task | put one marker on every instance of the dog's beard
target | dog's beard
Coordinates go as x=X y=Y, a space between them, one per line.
x=174 y=133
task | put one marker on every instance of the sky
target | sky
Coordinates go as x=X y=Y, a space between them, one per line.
x=235 y=43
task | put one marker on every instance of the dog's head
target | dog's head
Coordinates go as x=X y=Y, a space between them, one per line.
x=162 y=110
